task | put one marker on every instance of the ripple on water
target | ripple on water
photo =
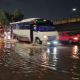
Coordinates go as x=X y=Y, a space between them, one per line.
x=39 y=64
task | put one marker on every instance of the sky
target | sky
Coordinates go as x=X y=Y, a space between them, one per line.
x=50 y=9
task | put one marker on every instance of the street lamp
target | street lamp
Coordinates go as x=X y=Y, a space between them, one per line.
x=74 y=9
x=76 y=12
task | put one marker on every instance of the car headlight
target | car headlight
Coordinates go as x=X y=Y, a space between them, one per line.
x=55 y=42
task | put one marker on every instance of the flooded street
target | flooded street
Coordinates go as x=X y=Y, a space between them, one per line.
x=51 y=63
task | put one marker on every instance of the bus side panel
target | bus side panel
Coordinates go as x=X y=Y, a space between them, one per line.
x=22 y=33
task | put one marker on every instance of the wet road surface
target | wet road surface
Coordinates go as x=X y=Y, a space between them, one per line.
x=51 y=63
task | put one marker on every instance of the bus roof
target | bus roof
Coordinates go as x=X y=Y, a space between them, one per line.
x=30 y=19
x=25 y=20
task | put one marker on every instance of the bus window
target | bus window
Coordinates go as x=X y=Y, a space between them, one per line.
x=46 y=28
x=24 y=27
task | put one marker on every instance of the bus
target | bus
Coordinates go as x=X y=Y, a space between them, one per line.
x=38 y=30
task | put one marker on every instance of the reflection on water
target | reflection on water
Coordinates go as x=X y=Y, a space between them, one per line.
x=1 y=45
x=65 y=60
x=75 y=70
x=53 y=63
x=75 y=52
x=52 y=53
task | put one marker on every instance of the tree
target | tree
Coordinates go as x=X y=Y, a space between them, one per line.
x=17 y=16
x=4 y=18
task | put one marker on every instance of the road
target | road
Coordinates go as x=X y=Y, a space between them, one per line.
x=50 y=63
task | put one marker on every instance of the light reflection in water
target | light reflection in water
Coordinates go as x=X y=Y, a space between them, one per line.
x=1 y=48
x=52 y=52
x=75 y=52
x=36 y=62
x=45 y=58
x=1 y=45
x=75 y=57
x=7 y=45
x=55 y=53
x=74 y=71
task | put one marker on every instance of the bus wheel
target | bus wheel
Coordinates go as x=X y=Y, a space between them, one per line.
x=38 y=41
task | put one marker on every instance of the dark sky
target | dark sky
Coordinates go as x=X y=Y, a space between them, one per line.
x=50 y=9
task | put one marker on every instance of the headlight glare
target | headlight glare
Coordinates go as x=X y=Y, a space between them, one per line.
x=55 y=42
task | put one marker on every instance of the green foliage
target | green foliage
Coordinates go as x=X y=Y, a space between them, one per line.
x=6 y=18
x=17 y=16
x=3 y=18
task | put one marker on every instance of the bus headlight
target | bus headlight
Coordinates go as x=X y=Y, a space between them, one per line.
x=45 y=37
x=48 y=43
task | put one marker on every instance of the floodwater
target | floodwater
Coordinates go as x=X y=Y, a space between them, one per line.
x=51 y=63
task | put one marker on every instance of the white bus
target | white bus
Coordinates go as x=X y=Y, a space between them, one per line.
x=43 y=31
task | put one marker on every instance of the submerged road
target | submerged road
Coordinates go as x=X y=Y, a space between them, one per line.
x=41 y=63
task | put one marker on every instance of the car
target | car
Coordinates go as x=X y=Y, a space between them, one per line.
x=70 y=37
